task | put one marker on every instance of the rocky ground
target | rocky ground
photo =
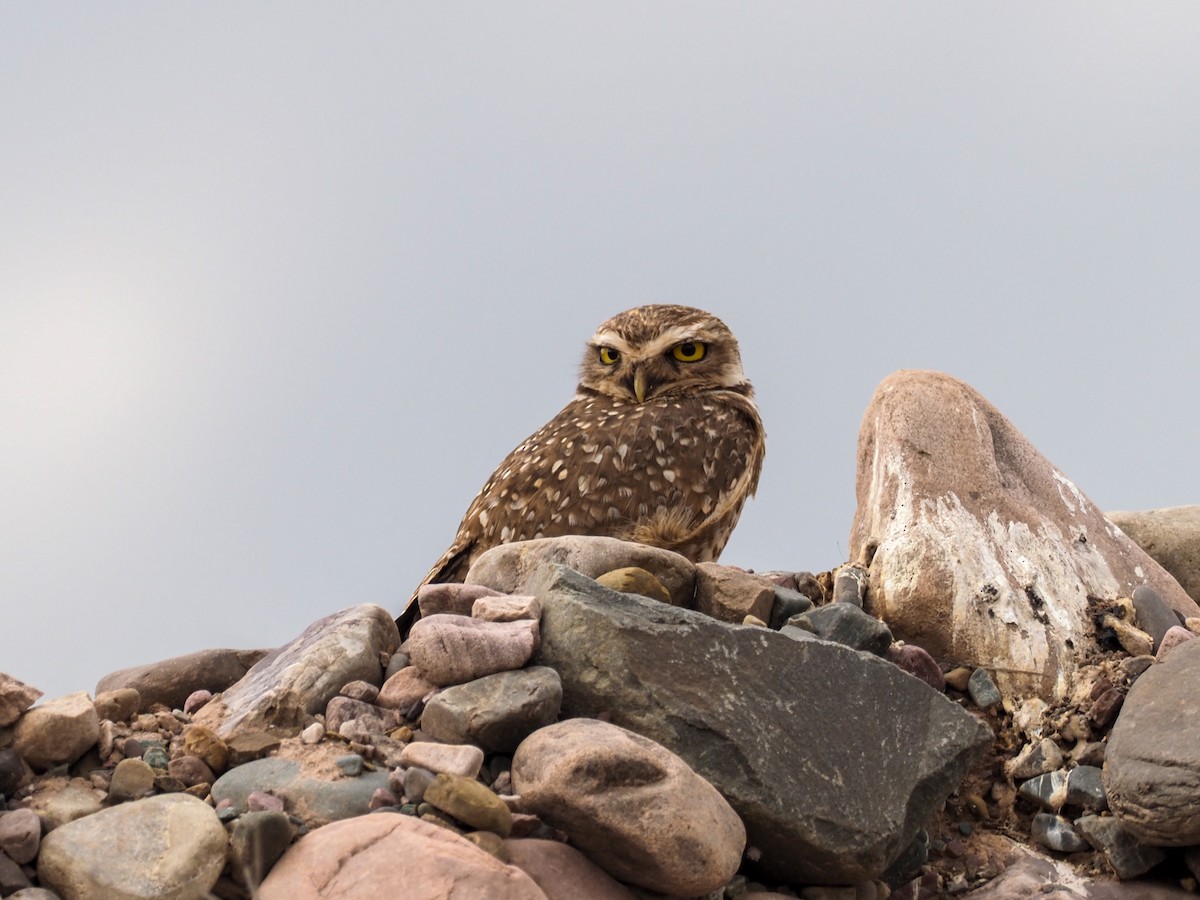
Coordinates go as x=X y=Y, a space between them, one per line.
x=995 y=697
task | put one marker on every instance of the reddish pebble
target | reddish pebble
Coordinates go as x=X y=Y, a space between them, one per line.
x=132 y=748
x=195 y=700
x=262 y=801
x=1175 y=636
x=381 y=798
x=916 y=661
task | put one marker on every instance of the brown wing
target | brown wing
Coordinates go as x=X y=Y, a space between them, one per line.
x=673 y=472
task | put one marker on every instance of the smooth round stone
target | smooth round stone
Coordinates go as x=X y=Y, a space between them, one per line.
x=1085 y=789
x=314 y=800
x=313 y=733
x=190 y=770
x=1172 y=638
x=1057 y=833
x=171 y=847
x=20 y=835
x=1047 y=791
x=982 y=689
x=196 y=700
x=917 y=662
x=132 y=779
x=469 y=802
x=204 y=744
x=635 y=580
x=351 y=764
x=261 y=801
x=453 y=759
x=416 y=782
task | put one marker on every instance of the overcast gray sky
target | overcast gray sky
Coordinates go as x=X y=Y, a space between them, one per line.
x=281 y=283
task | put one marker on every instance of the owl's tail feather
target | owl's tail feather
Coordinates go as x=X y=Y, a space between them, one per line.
x=451 y=567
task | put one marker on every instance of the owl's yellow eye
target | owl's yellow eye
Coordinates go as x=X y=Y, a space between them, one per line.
x=689 y=351
x=609 y=356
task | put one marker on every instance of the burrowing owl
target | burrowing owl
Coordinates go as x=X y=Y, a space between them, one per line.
x=662 y=444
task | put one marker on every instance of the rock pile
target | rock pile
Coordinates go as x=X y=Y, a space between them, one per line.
x=996 y=697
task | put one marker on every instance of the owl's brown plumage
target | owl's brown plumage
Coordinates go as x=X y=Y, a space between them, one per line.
x=662 y=444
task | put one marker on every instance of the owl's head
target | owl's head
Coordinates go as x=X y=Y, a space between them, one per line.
x=660 y=351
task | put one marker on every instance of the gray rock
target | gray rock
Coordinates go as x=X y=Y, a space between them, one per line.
x=170 y=847
x=848 y=625
x=1128 y=857
x=13 y=771
x=1085 y=789
x=1009 y=548
x=1048 y=791
x=1153 y=614
x=1034 y=759
x=730 y=594
x=256 y=841
x=12 y=877
x=288 y=686
x=1171 y=537
x=788 y=602
x=496 y=712
x=58 y=731
x=1152 y=766
x=170 y=681
x=880 y=749
x=312 y=795
x=982 y=689
x=509 y=567
x=1056 y=833
x=850 y=585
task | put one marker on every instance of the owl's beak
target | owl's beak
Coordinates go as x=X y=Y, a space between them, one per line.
x=639 y=385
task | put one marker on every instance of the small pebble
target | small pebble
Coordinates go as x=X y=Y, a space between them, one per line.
x=416 y=780
x=382 y=798
x=156 y=758
x=958 y=679
x=195 y=700
x=258 y=801
x=351 y=764
x=132 y=779
x=983 y=690
x=1057 y=833
x=360 y=690
x=132 y=748
x=313 y=733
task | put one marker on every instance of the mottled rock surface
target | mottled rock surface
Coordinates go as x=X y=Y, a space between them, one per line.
x=453 y=649
x=630 y=805
x=880 y=749
x=287 y=686
x=170 y=847
x=497 y=711
x=979 y=549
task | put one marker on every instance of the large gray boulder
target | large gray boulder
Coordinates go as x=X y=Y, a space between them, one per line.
x=832 y=757
x=979 y=549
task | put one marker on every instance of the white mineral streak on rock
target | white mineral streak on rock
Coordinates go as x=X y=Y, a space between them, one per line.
x=979 y=549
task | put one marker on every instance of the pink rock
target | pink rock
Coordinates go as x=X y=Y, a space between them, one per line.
x=361 y=690
x=562 y=872
x=978 y=548
x=730 y=594
x=505 y=608
x=451 y=759
x=633 y=807
x=258 y=801
x=1175 y=636
x=453 y=649
x=370 y=856
x=374 y=718
x=451 y=598
x=20 y=835
x=405 y=690
x=195 y=700
x=916 y=661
